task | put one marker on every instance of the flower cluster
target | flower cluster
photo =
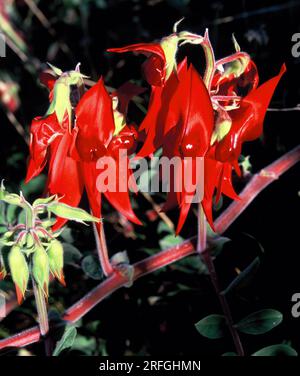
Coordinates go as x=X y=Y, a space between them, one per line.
x=188 y=116
x=32 y=248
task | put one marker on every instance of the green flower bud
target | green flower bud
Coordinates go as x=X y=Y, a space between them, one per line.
x=69 y=212
x=40 y=268
x=56 y=260
x=19 y=271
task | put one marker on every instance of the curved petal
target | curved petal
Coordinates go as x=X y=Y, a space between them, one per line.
x=196 y=114
x=143 y=48
x=64 y=176
x=154 y=67
x=95 y=122
x=43 y=132
x=119 y=198
x=163 y=112
x=90 y=174
x=247 y=121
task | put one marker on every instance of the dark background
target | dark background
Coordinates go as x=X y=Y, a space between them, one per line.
x=157 y=315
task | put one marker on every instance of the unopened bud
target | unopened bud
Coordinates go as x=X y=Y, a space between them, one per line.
x=40 y=268
x=19 y=271
x=56 y=260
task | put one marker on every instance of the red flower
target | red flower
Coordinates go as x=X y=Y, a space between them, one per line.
x=72 y=154
x=247 y=120
x=161 y=56
x=161 y=72
x=96 y=135
x=187 y=136
x=50 y=143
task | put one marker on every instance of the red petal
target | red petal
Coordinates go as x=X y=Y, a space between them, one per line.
x=154 y=67
x=247 y=121
x=120 y=199
x=125 y=93
x=95 y=121
x=196 y=112
x=48 y=79
x=163 y=112
x=64 y=176
x=43 y=132
x=90 y=174
x=143 y=48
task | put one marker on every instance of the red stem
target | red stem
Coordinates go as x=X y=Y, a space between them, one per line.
x=164 y=258
x=102 y=250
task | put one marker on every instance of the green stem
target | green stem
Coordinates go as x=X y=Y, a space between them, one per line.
x=41 y=308
x=30 y=215
x=206 y=256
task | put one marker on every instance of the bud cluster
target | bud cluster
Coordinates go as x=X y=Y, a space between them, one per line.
x=32 y=249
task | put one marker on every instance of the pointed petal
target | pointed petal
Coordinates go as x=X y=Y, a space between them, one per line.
x=64 y=176
x=95 y=121
x=120 y=199
x=247 y=121
x=154 y=67
x=143 y=48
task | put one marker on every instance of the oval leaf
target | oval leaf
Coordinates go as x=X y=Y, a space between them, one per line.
x=244 y=277
x=276 y=350
x=90 y=265
x=170 y=241
x=260 y=322
x=66 y=341
x=212 y=326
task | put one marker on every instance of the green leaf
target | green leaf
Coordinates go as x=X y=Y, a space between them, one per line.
x=67 y=235
x=212 y=326
x=163 y=227
x=71 y=254
x=67 y=340
x=260 y=322
x=230 y=353
x=85 y=345
x=11 y=213
x=90 y=265
x=217 y=243
x=169 y=241
x=35 y=186
x=276 y=350
x=244 y=276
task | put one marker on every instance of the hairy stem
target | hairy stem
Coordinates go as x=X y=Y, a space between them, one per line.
x=41 y=308
x=102 y=249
